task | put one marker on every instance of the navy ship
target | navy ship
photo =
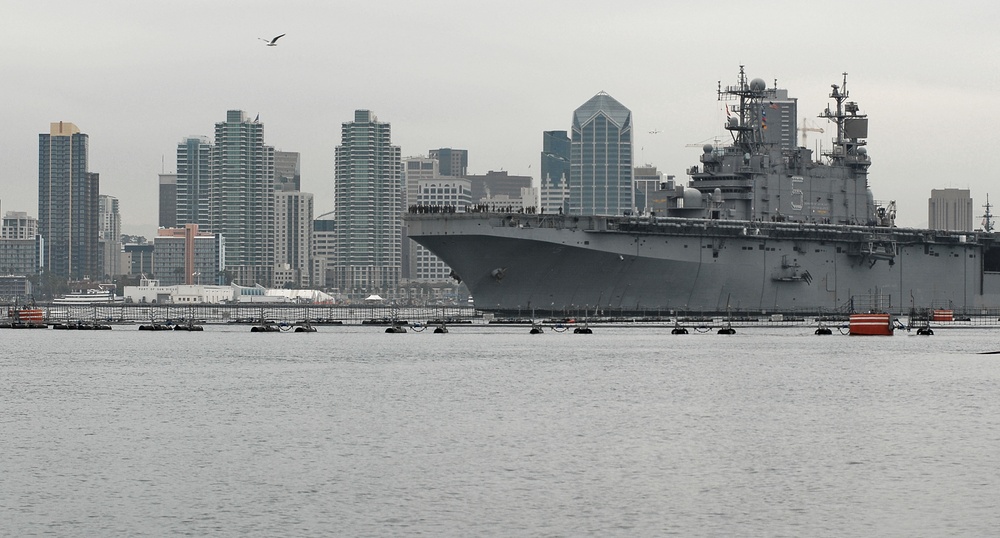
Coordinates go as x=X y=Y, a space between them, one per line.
x=760 y=227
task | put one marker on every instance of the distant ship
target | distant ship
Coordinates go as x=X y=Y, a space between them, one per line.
x=96 y=297
x=760 y=227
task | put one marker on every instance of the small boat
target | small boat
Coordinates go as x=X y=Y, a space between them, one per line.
x=395 y=329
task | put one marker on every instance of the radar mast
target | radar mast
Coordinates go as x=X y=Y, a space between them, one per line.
x=748 y=124
x=852 y=129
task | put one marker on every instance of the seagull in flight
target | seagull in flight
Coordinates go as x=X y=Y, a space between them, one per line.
x=273 y=42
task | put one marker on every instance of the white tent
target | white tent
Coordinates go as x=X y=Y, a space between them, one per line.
x=373 y=298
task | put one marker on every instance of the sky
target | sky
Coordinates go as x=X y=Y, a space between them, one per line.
x=489 y=77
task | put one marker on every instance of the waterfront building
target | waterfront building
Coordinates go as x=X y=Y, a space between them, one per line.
x=293 y=228
x=137 y=259
x=950 y=209
x=600 y=180
x=67 y=203
x=369 y=196
x=15 y=289
x=109 y=235
x=185 y=255
x=242 y=198
x=168 y=201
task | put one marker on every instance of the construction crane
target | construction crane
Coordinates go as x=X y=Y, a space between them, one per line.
x=715 y=142
x=805 y=127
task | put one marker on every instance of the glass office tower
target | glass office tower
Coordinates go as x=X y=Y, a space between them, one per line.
x=601 y=158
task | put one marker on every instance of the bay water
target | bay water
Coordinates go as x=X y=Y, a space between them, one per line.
x=486 y=431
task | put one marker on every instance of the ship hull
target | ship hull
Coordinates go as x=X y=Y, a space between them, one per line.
x=566 y=264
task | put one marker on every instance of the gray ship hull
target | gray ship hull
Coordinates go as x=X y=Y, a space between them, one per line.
x=556 y=264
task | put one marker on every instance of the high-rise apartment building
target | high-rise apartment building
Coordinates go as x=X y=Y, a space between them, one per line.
x=110 y=236
x=18 y=225
x=950 y=209
x=293 y=228
x=20 y=245
x=242 y=198
x=369 y=204
x=193 y=183
x=67 y=203
x=600 y=180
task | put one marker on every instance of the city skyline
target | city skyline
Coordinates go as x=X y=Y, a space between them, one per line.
x=140 y=89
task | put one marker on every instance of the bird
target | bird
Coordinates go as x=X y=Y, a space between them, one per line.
x=272 y=42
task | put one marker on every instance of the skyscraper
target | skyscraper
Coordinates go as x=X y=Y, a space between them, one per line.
x=67 y=203
x=287 y=171
x=242 y=198
x=293 y=226
x=950 y=209
x=110 y=236
x=369 y=204
x=555 y=157
x=601 y=158
x=168 y=201
x=451 y=162
x=193 y=184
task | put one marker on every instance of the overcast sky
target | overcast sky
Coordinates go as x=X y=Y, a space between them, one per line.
x=489 y=77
